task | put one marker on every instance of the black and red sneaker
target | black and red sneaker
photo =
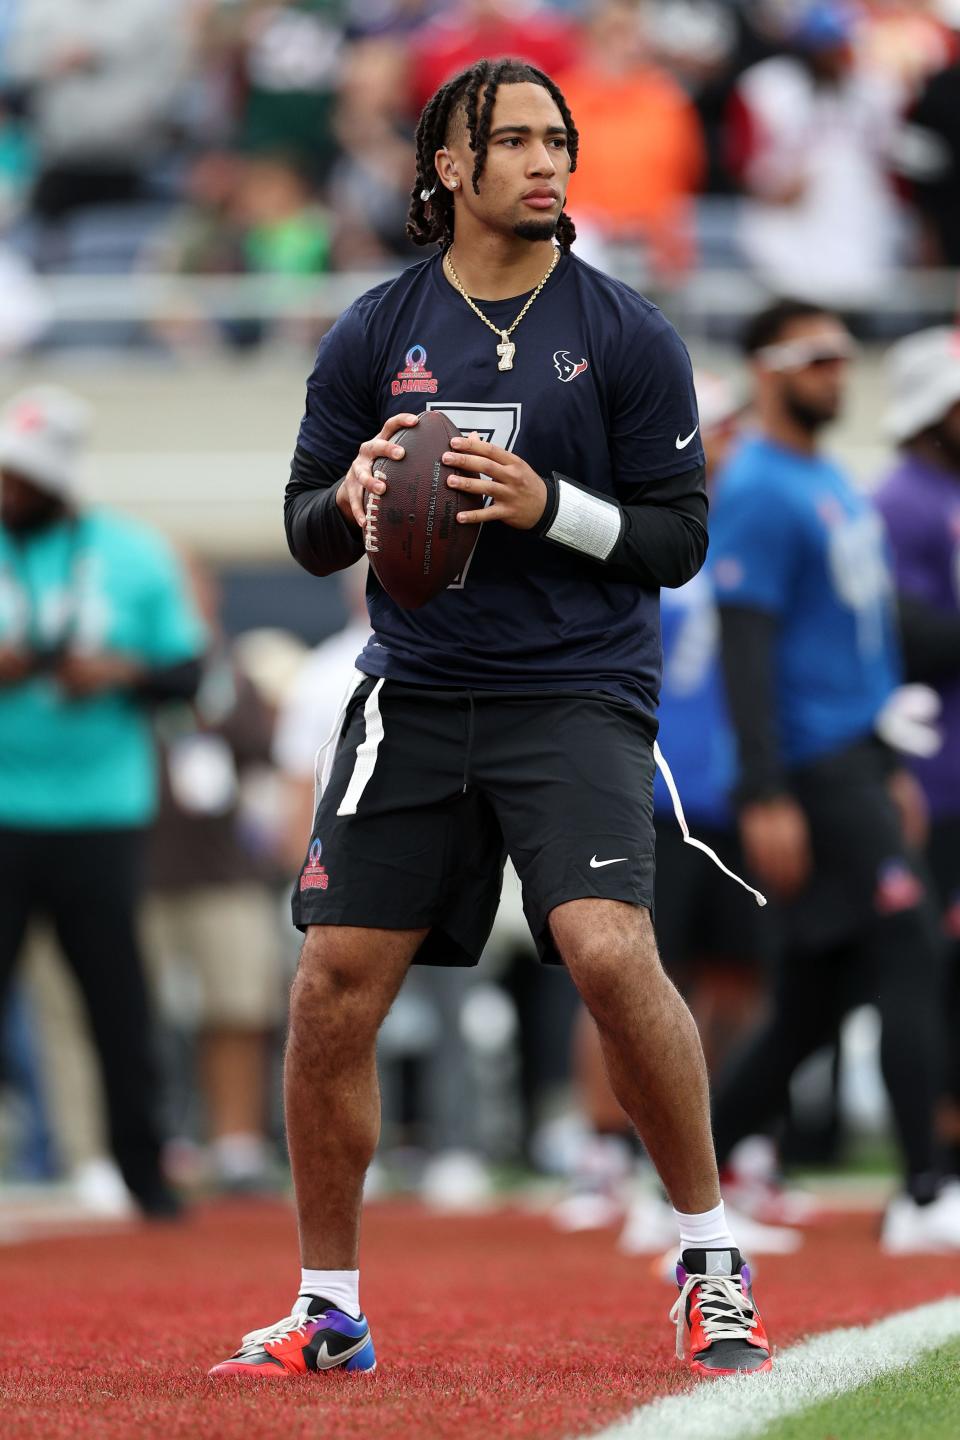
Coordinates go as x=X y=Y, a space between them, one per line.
x=718 y=1324
x=316 y=1337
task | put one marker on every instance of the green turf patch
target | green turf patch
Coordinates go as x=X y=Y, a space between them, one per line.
x=921 y=1402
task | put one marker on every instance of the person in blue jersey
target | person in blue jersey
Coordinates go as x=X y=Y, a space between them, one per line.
x=516 y=712
x=826 y=812
x=96 y=628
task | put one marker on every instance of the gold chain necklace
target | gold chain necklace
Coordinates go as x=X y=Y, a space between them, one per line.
x=506 y=349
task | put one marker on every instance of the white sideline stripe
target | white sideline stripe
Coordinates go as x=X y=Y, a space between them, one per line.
x=829 y=1364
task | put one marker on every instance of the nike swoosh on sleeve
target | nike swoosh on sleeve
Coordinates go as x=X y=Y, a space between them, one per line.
x=682 y=444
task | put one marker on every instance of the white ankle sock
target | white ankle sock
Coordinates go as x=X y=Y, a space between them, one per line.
x=340 y=1286
x=708 y=1231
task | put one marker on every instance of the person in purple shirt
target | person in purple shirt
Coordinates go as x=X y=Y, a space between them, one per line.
x=920 y=501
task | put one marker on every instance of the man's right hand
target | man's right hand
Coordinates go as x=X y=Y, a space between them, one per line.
x=776 y=844
x=360 y=479
x=15 y=665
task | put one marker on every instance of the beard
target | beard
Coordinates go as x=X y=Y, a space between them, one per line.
x=809 y=417
x=535 y=229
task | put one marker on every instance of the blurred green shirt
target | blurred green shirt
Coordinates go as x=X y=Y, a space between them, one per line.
x=100 y=583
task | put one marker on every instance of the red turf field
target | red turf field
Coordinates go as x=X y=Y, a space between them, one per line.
x=488 y=1327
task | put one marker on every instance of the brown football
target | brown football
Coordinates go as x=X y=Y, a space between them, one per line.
x=412 y=537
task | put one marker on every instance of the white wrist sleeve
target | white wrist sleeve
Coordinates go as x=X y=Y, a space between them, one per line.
x=584 y=522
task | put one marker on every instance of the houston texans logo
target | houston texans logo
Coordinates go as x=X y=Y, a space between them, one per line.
x=568 y=369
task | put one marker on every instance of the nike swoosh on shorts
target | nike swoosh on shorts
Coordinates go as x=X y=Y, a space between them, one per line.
x=596 y=864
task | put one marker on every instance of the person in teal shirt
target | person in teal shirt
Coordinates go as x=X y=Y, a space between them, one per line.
x=97 y=626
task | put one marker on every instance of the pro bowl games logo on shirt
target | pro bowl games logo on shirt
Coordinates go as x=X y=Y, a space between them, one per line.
x=314 y=875
x=414 y=376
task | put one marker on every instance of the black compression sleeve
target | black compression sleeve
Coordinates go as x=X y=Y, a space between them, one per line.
x=931 y=640
x=658 y=536
x=319 y=536
x=748 y=640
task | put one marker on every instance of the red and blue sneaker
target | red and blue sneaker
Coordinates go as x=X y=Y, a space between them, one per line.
x=315 y=1337
x=718 y=1323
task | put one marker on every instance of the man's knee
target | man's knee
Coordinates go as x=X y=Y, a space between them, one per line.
x=610 y=950
x=335 y=992
x=345 y=983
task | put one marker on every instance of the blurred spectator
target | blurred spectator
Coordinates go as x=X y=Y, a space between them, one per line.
x=928 y=159
x=369 y=188
x=101 y=81
x=920 y=501
x=245 y=215
x=829 y=820
x=641 y=144
x=367 y=19
x=705 y=44
x=290 y=65
x=95 y=627
x=31 y=1157
x=311 y=713
x=17 y=162
x=905 y=40
x=810 y=135
x=210 y=920
x=285 y=231
x=26 y=311
x=471 y=29
x=205 y=237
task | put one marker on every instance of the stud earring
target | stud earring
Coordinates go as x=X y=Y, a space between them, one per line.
x=454 y=184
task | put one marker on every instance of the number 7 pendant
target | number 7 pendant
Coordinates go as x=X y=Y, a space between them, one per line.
x=506 y=350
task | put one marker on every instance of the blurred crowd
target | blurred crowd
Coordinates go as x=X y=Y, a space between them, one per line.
x=157 y=773
x=813 y=143
x=157 y=788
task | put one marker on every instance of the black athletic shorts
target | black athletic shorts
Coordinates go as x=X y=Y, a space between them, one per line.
x=863 y=868
x=431 y=789
x=701 y=914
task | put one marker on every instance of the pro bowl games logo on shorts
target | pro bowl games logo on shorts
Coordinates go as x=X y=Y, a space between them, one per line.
x=414 y=377
x=313 y=876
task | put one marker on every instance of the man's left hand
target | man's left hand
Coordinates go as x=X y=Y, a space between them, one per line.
x=518 y=496
x=83 y=675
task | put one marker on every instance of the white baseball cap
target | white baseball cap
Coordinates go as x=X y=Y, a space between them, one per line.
x=923 y=378
x=43 y=433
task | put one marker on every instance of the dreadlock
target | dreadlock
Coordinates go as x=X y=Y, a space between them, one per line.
x=431 y=221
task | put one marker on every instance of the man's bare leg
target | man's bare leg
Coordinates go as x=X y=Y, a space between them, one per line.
x=650 y=1042
x=346 y=982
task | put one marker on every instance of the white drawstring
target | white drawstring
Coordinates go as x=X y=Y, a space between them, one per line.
x=689 y=839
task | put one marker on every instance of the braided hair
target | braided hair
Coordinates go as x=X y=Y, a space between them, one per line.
x=431 y=221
